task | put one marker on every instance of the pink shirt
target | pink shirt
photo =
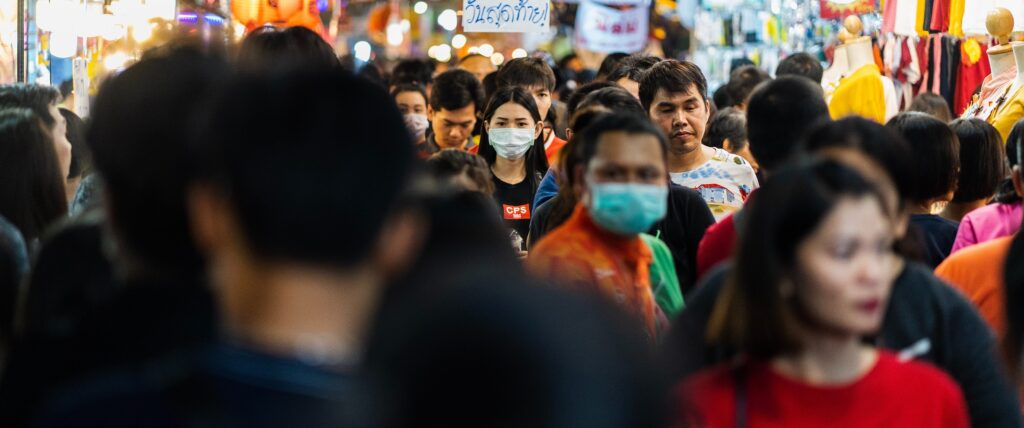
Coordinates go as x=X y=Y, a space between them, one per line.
x=987 y=223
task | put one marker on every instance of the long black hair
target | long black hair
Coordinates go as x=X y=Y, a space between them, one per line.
x=536 y=160
x=31 y=184
x=1006 y=193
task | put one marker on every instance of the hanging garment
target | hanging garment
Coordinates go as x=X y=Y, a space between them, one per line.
x=974 y=69
x=861 y=93
x=956 y=17
x=889 y=16
x=925 y=21
x=905 y=17
x=950 y=66
x=940 y=16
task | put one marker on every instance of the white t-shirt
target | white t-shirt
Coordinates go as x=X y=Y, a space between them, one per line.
x=724 y=182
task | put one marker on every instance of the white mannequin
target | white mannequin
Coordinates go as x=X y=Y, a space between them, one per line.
x=1000 y=62
x=1018 y=57
x=839 y=69
x=859 y=53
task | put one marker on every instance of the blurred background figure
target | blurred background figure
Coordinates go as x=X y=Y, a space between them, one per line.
x=479 y=65
x=932 y=104
x=270 y=50
x=412 y=103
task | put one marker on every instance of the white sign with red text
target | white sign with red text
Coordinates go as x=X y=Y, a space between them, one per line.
x=601 y=28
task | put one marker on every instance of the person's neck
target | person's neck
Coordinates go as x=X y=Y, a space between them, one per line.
x=300 y=310
x=957 y=210
x=827 y=359
x=683 y=162
x=71 y=188
x=1001 y=62
x=509 y=171
x=921 y=208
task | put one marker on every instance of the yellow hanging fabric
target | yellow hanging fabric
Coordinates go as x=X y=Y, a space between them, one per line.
x=860 y=94
x=956 y=17
x=1008 y=114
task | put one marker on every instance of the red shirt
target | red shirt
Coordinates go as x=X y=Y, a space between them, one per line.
x=552 y=147
x=892 y=394
x=716 y=246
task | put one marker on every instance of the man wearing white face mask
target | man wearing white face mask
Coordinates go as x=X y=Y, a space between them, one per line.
x=624 y=180
x=515 y=153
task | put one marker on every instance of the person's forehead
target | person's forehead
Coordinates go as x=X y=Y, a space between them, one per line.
x=460 y=113
x=691 y=92
x=620 y=146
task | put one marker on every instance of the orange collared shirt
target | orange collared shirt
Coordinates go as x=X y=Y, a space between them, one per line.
x=977 y=271
x=580 y=254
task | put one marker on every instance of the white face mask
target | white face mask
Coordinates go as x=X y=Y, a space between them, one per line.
x=416 y=124
x=511 y=143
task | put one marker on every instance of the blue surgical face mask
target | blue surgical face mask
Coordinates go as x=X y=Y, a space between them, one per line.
x=627 y=208
x=511 y=143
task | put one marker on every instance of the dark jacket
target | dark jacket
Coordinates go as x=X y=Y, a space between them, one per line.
x=925 y=317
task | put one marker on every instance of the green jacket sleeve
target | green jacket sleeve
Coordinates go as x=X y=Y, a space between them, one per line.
x=664 y=282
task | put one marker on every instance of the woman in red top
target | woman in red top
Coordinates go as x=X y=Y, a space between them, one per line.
x=812 y=279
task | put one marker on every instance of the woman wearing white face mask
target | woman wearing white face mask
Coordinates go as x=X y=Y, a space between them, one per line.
x=514 y=149
x=412 y=103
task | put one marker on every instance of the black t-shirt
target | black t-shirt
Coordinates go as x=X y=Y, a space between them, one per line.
x=936 y=235
x=515 y=202
x=924 y=315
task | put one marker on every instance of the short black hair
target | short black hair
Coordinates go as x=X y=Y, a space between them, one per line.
x=673 y=76
x=455 y=89
x=729 y=123
x=81 y=158
x=31 y=183
x=276 y=51
x=632 y=67
x=449 y=163
x=615 y=99
x=37 y=98
x=932 y=104
x=742 y=82
x=408 y=87
x=580 y=93
x=936 y=154
x=801 y=64
x=610 y=63
x=721 y=98
x=982 y=160
x=294 y=188
x=589 y=139
x=779 y=115
x=413 y=70
x=526 y=72
x=881 y=144
x=144 y=162
x=1007 y=194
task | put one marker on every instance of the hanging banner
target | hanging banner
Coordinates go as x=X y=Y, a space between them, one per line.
x=506 y=16
x=605 y=29
x=838 y=9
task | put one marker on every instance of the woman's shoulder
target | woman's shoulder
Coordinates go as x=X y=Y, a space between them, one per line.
x=918 y=376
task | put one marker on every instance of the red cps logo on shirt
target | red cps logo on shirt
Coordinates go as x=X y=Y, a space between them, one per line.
x=516 y=212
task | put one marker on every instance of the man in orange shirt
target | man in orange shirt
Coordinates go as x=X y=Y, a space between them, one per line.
x=977 y=271
x=624 y=176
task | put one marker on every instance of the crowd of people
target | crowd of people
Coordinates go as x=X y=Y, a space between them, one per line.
x=278 y=238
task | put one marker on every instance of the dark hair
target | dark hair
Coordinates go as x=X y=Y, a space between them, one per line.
x=37 y=98
x=610 y=63
x=672 y=76
x=294 y=189
x=449 y=163
x=526 y=72
x=1013 y=287
x=455 y=89
x=779 y=115
x=729 y=123
x=932 y=104
x=982 y=160
x=1007 y=194
x=586 y=147
x=801 y=64
x=144 y=161
x=81 y=159
x=66 y=88
x=574 y=101
x=742 y=82
x=401 y=88
x=936 y=154
x=536 y=161
x=721 y=98
x=294 y=48
x=413 y=70
x=753 y=314
x=31 y=185
x=632 y=68
x=881 y=144
x=614 y=99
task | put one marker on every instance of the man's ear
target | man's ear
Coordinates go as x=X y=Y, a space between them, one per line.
x=400 y=242
x=430 y=112
x=207 y=215
x=539 y=128
x=568 y=133
x=727 y=145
